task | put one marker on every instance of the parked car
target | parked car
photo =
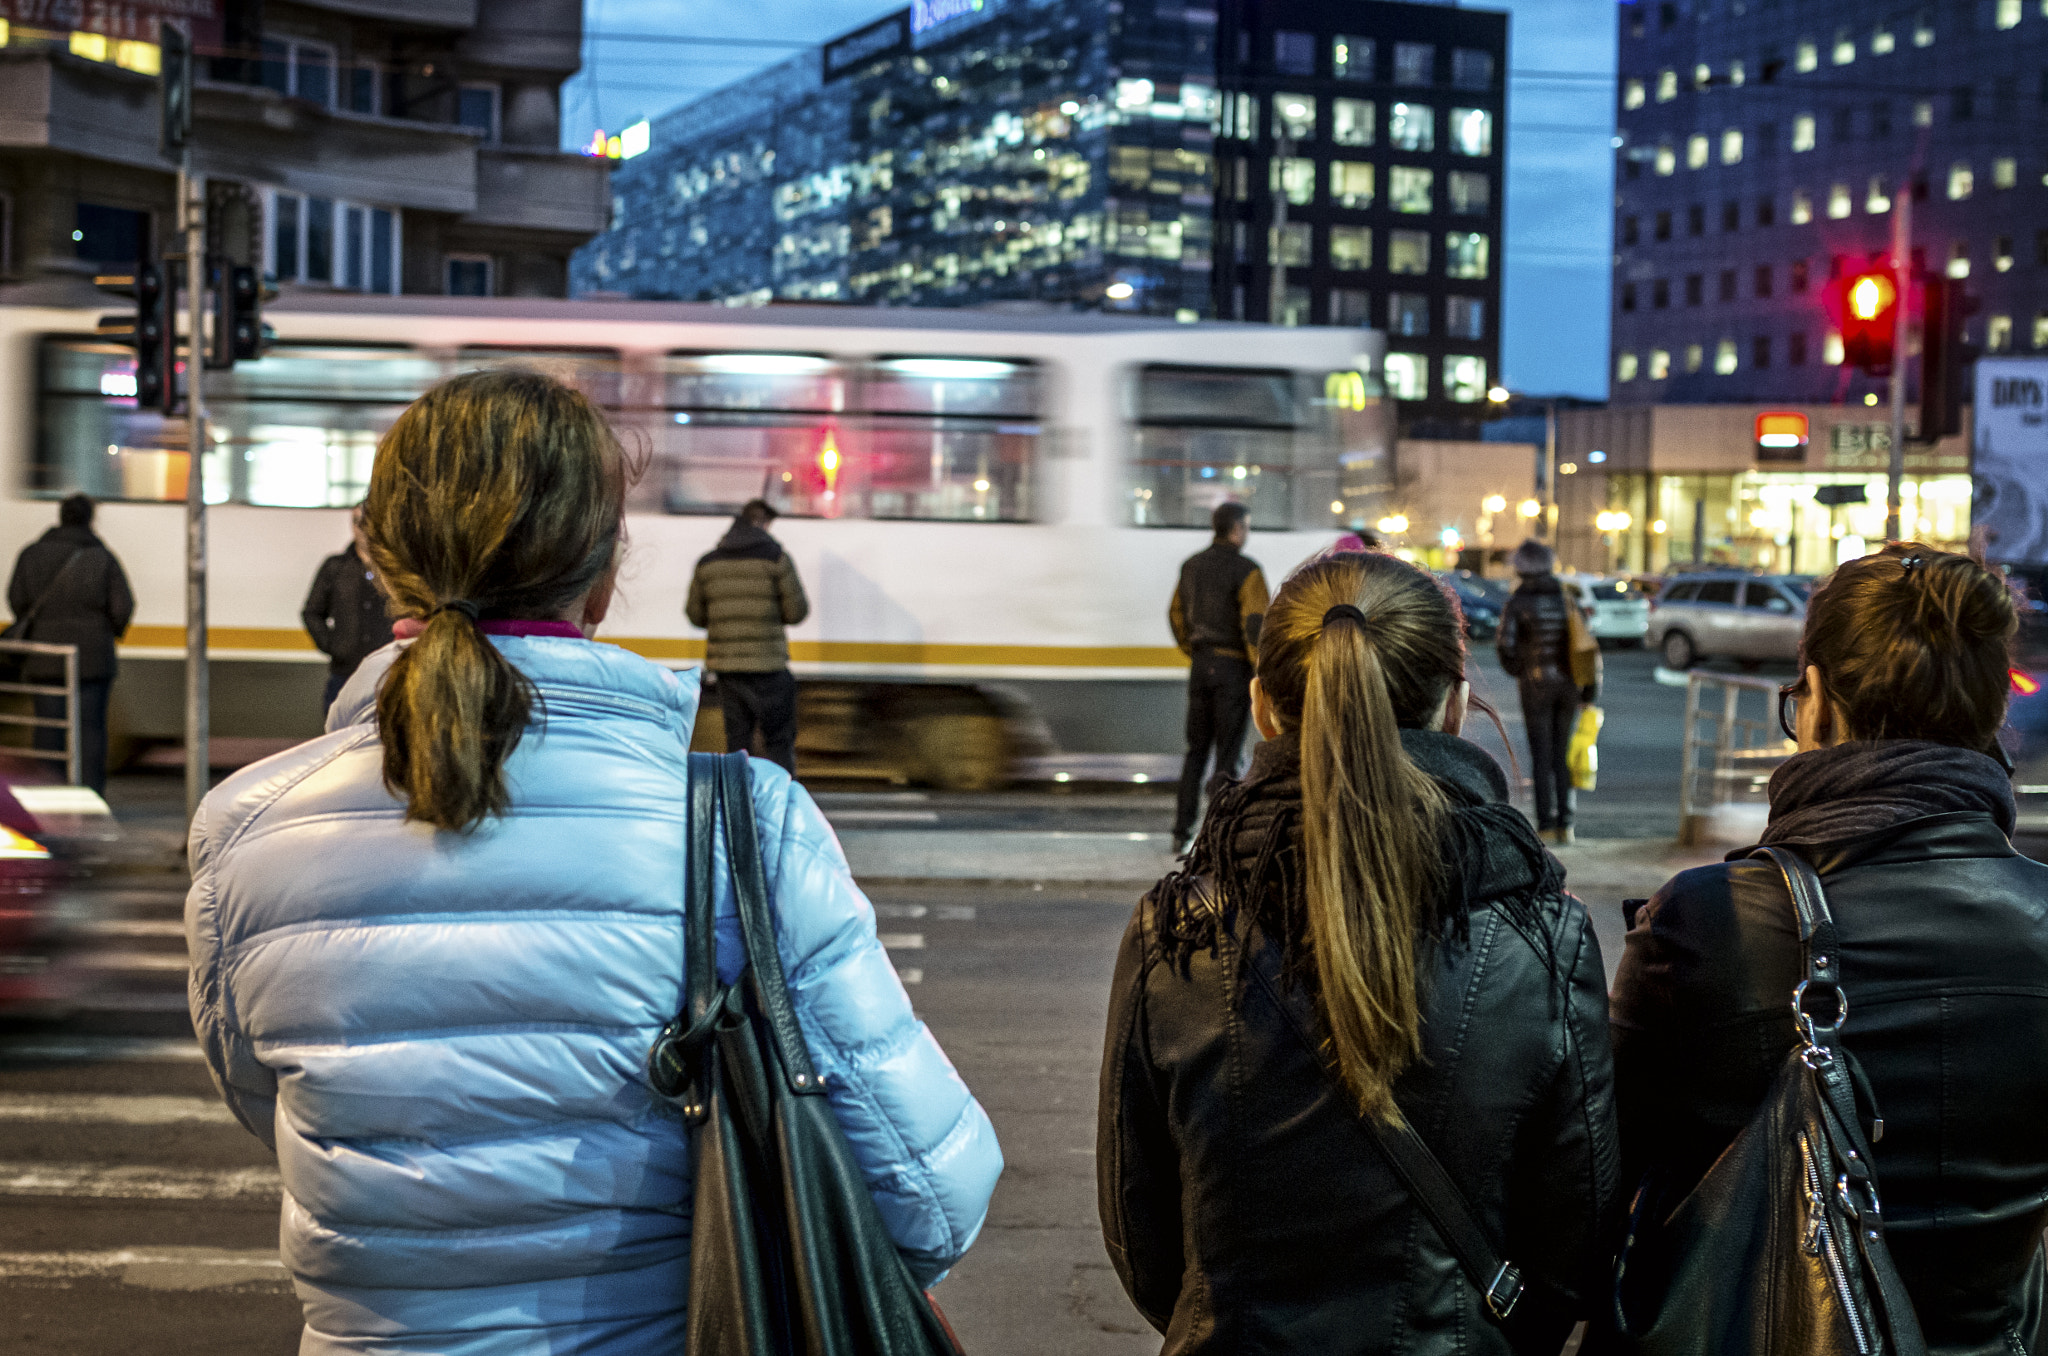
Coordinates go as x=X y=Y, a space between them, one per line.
x=1480 y=597
x=1616 y=611
x=1725 y=614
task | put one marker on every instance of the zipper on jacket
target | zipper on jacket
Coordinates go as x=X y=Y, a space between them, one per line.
x=1820 y=1242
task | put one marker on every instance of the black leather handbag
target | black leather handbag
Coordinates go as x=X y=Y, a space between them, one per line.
x=789 y=1256
x=1780 y=1248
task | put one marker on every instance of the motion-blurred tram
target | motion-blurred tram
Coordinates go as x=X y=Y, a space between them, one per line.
x=987 y=508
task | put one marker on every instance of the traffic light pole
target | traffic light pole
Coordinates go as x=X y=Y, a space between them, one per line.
x=1902 y=266
x=192 y=207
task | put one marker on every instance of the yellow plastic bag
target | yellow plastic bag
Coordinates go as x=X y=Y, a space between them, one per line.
x=1583 y=757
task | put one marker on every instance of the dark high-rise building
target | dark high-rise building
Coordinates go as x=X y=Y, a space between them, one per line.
x=1762 y=147
x=1064 y=152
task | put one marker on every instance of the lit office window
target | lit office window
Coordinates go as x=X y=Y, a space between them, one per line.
x=2005 y=172
x=1731 y=146
x=1667 y=85
x=1961 y=181
x=1292 y=246
x=1695 y=357
x=1802 y=207
x=1702 y=76
x=1625 y=367
x=1831 y=349
x=1407 y=376
x=1725 y=357
x=1408 y=252
x=1470 y=192
x=1465 y=378
x=1923 y=28
x=2040 y=330
x=1294 y=176
x=1839 y=204
x=1351 y=183
x=1294 y=116
x=1411 y=127
x=1410 y=189
x=1845 y=47
x=1351 y=122
x=1737 y=74
x=1879 y=199
x=2001 y=254
x=1351 y=248
x=2006 y=15
x=1998 y=333
x=1660 y=364
x=1465 y=254
x=1696 y=151
x=1882 y=41
x=1633 y=95
x=1806 y=56
x=1667 y=160
x=1803 y=132
x=1959 y=259
x=1471 y=131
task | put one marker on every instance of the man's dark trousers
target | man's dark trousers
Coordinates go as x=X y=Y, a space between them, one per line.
x=1550 y=707
x=763 y=701
x=92 y=730
x=1219 y=707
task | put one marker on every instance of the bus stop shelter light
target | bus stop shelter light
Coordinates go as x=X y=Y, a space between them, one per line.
x=1781 y=430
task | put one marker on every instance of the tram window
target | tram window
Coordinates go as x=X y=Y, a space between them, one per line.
x=296 y=428
x=910 y=437
x=1207 y=435
x=594 y=371
x=754 y=381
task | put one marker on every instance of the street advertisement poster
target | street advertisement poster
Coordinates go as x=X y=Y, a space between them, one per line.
x=2009 y=507
x=126 y=21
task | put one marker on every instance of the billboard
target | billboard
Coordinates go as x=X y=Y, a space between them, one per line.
x=2009 y=504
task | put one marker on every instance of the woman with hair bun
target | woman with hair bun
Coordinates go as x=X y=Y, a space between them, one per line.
x=1900 y=797
x=431 y=950
x=1367 y=937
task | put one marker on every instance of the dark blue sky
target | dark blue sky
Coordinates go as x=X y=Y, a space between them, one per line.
x=1560 y=115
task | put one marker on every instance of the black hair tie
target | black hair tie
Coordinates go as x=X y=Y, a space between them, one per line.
x=462 y=605
x=1345 y=611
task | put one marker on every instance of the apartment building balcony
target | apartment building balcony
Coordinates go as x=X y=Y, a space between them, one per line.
x=456 y=14
x=533 y=190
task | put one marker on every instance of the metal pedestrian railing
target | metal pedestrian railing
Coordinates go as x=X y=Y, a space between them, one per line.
x=16 y=656
x=1731 y=746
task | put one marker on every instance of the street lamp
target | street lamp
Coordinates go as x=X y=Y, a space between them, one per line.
x=1495 y=503
x=1501 y=395
x=1530 y=508
x=1612 y=525
x=1394 y=524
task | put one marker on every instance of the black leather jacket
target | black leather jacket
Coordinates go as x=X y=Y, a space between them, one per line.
x=1535 y=640
x=1944 y=957
x=1244 y=1207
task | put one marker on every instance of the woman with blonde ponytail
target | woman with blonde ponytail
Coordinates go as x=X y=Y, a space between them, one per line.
x=1366 y=937
x=432 y=949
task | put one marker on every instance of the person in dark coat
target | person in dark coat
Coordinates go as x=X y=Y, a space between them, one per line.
x=345 y=613
x=1365 y=928
x=1534 y=644
x=745 y=593
x=1215 y=613
x=1900 y=798
x=71 y=590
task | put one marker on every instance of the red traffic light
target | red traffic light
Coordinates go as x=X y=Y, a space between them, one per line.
x=1867 y=306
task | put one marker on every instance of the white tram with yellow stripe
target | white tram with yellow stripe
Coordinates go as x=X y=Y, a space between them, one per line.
x=987 y=508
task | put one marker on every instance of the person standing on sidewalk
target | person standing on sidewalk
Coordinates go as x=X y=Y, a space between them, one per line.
x=1901 y=798
x=745 y=592
x=1366 y=936
x=345 y=613
x=1215 y=614
x=69 y=589
x=1535 y=646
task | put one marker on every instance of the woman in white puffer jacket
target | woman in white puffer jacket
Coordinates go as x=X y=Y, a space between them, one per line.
x=430 y=949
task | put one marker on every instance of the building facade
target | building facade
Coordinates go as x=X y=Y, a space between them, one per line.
x=1066 y=153
x=388 y=148
x=1762 y=145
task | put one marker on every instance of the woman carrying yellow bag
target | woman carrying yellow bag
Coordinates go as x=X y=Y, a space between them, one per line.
x=1546 y=646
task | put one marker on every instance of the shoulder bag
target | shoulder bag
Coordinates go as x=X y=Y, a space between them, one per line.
x=1583 y=645
x=1779 y=1250
x=20 y=627
x=788 y=1255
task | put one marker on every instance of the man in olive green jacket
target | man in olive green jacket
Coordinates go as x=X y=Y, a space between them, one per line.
x=745 y=591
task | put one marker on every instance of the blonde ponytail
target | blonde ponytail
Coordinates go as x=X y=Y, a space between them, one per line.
x=1372 y=822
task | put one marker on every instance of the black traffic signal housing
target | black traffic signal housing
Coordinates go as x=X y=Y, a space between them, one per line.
x=1866 y=306
x=1942 y=357
x=237 y=315
x=149 y=330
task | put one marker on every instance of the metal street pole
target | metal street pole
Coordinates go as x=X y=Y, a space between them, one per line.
x=192 y=203
x=1549 y=519
x=1902 y=263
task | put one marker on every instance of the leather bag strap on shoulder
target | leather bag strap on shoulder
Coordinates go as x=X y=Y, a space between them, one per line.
x=757 y=924
x=28 y=618
x=700 y=935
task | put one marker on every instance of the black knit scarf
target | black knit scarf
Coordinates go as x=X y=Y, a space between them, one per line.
x=1865 y=786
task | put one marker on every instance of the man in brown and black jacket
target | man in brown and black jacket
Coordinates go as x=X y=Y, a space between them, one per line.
x=1217 y=607
x=744 y=593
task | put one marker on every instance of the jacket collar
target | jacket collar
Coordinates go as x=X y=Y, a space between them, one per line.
x=561 y=668
x=1467 y=770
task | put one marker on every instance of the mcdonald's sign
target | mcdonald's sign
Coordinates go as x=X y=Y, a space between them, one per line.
x=1346 y=390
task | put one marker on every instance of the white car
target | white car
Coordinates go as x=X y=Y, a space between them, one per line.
x=1618 y=612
